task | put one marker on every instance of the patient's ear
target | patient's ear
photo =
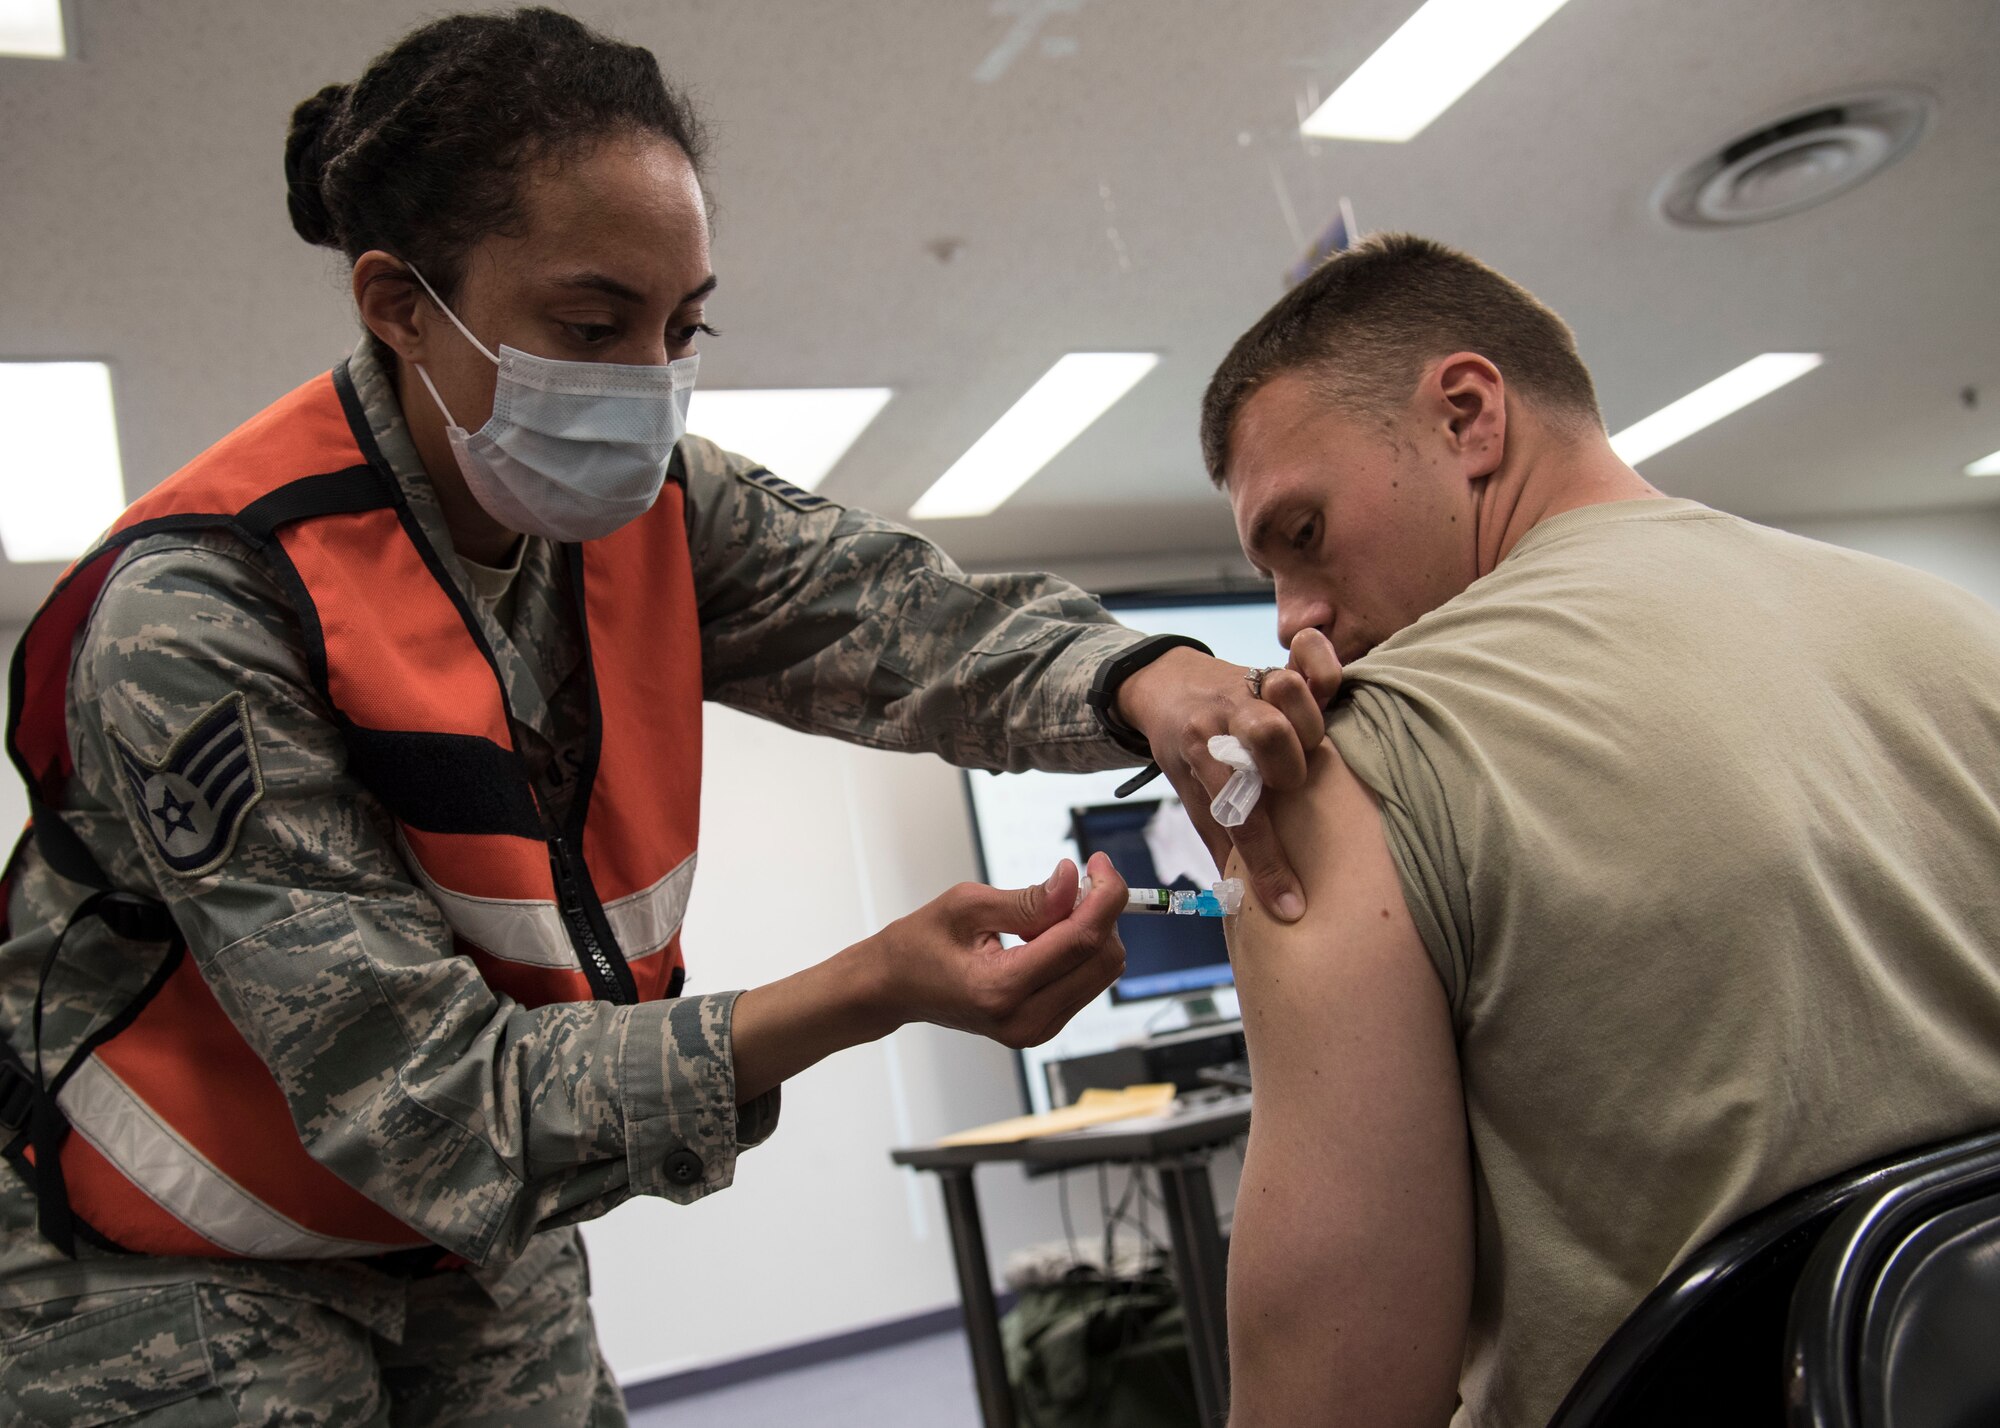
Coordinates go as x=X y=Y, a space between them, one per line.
x=1470 y=398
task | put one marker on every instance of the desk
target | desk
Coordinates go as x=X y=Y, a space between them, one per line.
x=1179 y=1147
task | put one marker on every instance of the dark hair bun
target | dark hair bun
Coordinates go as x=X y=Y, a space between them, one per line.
x=423 y=156
x=306 y=153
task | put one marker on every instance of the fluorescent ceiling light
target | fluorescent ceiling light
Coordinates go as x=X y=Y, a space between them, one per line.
x=60 y=480
x=800 y=434
x=1423 y=69
x=1705 y=406
x=1985 y=466
x=1050 y=415
x=33 y=28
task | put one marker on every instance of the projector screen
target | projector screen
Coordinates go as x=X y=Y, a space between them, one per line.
x=1025 y=822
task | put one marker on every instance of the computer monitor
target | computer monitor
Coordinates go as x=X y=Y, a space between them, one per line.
x=1023 y=823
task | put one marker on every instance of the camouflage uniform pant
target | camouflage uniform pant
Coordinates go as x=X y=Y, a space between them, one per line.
x=198 y=1354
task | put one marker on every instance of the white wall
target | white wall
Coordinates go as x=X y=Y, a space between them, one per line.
x=808 y=846
x=1960 y=546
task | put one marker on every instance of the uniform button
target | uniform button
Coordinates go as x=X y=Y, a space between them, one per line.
x=684 y=1167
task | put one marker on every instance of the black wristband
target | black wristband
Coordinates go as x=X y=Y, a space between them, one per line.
x=1103 y=696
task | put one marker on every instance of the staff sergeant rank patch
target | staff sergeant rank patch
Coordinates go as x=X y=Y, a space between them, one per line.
x=195 y=799
x=784 y=490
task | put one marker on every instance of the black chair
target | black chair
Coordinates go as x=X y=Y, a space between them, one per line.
x=1708 y=1346
x=1896 y=1320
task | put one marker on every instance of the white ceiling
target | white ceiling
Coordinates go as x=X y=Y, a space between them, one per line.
x=1116 y=187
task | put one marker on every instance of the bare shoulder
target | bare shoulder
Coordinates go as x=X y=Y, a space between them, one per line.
x=1332 y=831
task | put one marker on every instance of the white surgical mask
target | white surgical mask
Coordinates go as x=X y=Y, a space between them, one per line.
x=573 y=450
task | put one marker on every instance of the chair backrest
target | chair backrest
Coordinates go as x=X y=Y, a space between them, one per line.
x=1708 y=1345
x=1896 y=1321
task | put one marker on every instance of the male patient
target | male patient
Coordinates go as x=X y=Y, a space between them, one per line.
x=1650 y=869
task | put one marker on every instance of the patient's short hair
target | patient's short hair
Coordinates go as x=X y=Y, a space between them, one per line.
x=1365 y=322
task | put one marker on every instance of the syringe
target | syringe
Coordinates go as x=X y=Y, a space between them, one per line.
x=1224 y=899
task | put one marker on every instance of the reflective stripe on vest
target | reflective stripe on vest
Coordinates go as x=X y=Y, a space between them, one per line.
x=184 y=1142
x=530 y=932
x=135 y=1141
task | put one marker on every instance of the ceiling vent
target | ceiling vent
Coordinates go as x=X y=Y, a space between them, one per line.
x=1806 y=158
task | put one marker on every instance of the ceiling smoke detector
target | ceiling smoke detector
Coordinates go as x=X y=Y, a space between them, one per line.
x=1814 y=154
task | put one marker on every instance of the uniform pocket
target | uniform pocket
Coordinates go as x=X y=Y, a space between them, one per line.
x=143 y=1361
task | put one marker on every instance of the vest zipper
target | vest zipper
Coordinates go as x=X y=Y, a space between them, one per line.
x=596 y=959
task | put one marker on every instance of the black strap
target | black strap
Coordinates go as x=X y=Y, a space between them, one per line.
x=1103 y=697
x=48 y=1127
x=22 y=1108
x=135 y=917
x=18 y=1092
x=444 y=783
x=358 y=488
x=417 y=1262
x=60 y=847
x=1138 y=781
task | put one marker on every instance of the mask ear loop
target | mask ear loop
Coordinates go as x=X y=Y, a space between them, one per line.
x=452 y=315
x=444 y=308
x=431 y=387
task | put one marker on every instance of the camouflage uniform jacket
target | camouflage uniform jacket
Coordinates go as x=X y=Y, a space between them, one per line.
x=478 y=1121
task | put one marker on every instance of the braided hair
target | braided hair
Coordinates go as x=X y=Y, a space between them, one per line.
x=423 y=156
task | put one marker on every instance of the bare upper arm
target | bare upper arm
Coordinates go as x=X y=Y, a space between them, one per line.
x=1351 y=1263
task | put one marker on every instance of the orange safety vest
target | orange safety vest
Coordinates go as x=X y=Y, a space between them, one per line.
x=169 y=1134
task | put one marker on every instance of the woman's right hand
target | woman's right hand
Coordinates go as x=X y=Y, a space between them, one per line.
x=945 y=963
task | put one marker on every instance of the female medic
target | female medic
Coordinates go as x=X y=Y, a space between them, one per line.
x=342 y=969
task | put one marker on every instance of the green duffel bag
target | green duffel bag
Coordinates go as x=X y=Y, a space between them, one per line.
x=1087 y=1352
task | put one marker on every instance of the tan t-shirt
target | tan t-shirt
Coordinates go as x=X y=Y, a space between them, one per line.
x=497 y=587
x=1700 y=822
